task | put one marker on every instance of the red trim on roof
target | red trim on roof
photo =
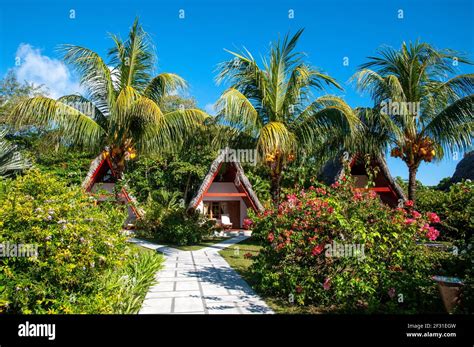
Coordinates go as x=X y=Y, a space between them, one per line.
x=224 y=194
x=208 y=186
x=94 y=176
x=205 y=193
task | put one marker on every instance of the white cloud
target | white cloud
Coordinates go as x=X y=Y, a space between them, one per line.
x=210 y=109
x=40 y=69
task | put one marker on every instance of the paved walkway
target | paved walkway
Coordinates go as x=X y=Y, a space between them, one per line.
x=200 y=282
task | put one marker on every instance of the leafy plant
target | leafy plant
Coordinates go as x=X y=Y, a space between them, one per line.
x=274 y=106
x=341 y=246
x=11 y=160
x=122 y=106
x=422 y=109
x=77 y=242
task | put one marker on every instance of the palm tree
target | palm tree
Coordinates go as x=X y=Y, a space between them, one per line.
x=274 y=105
x=122 y=105
x=11 y=160
x=422 y=110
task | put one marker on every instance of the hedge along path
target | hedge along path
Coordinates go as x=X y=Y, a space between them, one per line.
x=199 y=282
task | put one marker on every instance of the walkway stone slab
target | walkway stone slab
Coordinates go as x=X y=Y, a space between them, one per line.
x=200 y=282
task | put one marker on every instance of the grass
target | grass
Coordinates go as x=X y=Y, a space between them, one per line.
x=238 y=259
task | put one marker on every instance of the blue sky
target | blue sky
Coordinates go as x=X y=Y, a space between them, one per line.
x=194 y=45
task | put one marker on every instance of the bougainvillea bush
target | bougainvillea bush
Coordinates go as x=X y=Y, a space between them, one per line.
x=77 y=242
x=343 y=247
x=455 y=208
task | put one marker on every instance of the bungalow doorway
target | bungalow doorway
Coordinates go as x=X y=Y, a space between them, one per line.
x=215 y=210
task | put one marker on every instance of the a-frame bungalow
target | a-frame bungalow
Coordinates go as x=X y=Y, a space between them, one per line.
x=384 y=184
x=226 y=192
x=100 y=183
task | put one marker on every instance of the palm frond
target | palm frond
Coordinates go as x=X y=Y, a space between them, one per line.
x=11 y=160
x=163 y=85
x=72 y=123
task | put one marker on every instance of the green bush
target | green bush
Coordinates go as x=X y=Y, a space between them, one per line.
x=455 y=207
x=175 y=226
x=122 y=291
x=382 y=267
x=77 y=243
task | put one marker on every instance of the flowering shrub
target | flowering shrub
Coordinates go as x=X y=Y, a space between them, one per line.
x=454 y=207
x=77 y=243
x=337 y=245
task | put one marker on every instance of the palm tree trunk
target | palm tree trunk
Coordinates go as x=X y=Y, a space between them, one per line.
x=412 y=170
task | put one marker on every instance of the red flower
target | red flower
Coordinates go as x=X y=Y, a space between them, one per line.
x=247 y=223
x=317 y=250
x=416 y=214
x=409 y=221
x=433 y=217
x=409 y=203
x=330 y=210
x=270 y=237
x=432 y=234
x=357 y=196
x=391 y=292
x=327 y=284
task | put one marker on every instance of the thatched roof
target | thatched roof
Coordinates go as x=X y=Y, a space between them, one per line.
x=91 y=179
x=333 y=170
x=92 y=173
x=465 y=168
x=214 y=170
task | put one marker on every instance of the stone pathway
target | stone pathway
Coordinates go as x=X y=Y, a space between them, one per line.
x=200 y=282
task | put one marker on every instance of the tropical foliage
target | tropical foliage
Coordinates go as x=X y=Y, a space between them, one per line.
x=11 y=160
x=79 y=248
x=122 y=104
x=455 y=208
x=334 y=246
x=274 y=105
x=422 y=110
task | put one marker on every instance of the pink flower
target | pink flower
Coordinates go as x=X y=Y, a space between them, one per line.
x=409 y=221
x=416 y=214
x=335 y=185
x=270 y=237
x=409 y=203
x=433 y=217
x=247 y=223
x=317 y=250
x=432 y=234
x=327 y=284
x=391 y=292
x=357 y=196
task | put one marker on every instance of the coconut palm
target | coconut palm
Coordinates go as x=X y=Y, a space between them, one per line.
x=274 y=104
x=122 y=104
x=422 y=110
x=11 y=160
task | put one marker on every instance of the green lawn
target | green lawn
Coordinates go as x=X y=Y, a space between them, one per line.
x=236 y=257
